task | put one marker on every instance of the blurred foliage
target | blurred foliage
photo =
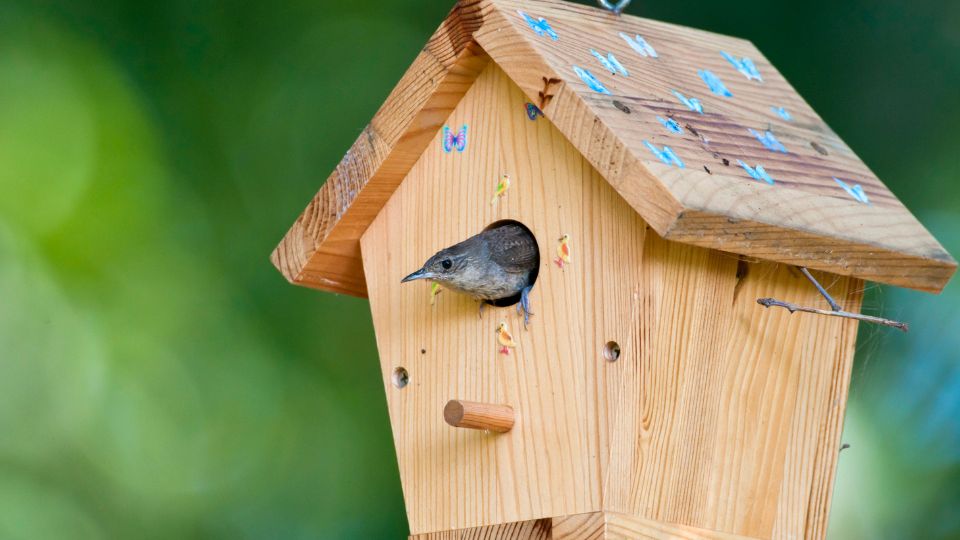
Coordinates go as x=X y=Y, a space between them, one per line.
x=158 y=379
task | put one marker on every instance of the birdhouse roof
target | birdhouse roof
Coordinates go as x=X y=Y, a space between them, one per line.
x=698 y=132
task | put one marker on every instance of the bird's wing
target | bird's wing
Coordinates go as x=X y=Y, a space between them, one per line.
x=513 y=248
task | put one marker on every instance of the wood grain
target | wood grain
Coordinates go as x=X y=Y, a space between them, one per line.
x=719 y=415
x=483 y=416
x=625 y=527
x=538 y=529
x=804 y=219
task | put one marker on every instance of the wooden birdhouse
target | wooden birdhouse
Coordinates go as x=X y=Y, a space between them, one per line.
x=672 y=177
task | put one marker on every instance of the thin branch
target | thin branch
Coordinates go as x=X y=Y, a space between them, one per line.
x=770 y=302
x=833 y=304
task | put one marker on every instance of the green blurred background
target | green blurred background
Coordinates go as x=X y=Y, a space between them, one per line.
x=158 y=378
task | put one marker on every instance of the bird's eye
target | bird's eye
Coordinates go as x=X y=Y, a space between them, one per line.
x=446 y=264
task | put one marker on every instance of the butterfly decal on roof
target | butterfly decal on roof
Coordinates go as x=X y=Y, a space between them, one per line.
x=454 y=141
x=666 y=155
x=856 y=191
x=714 y=83
x=611 y=63
x=591 y=80
x=693 y=104
x=640 y=45
x=769 y=141
x=743 y=65
x=540 y=26
x=782 y=113
x=757 y=173
x=533 y=111
x=671 y=125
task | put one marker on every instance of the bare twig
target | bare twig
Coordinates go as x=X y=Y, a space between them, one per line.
x=833 y=305
x=770 y=302
x=837 y=310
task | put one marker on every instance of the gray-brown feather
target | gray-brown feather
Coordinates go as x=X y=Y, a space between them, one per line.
x=496 y=264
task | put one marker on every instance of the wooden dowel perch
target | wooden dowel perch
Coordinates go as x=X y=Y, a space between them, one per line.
x=473 y=415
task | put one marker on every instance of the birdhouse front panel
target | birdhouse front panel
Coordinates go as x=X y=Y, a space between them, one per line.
x=648 y=383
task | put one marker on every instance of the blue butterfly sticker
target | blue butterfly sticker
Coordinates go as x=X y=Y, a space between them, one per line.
x=610 y=62
x=757 y=173
x=856 y=191
x=666 y=155
x=591 y=80
x=454 y=141
x=640 y=45
x=782 y=113
x=671 y=125
x=540 y=26
x=714 y=83
x=743 y=65
x=769 y=141
x=533 y=111
x=692 y=103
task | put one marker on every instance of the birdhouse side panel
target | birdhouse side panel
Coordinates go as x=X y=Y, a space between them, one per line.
x=729 y=415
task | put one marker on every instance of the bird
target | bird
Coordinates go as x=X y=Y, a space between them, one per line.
x=505 y=339
x=502 y=186
x=498 y=266
x=563 y=251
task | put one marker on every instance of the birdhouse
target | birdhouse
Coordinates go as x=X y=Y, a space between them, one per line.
x=671 y=178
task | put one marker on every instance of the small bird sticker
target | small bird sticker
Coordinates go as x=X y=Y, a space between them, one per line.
x=505 y=339
x=563 y=251
x=435 y=289
x=502 y=186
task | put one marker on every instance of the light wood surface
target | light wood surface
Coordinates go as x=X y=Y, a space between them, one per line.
x=804 y=219
x=592 y=526
x=718 y=415
x=482 y=416
x=537 y=529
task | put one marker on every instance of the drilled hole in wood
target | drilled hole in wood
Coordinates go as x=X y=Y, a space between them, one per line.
x=611 y=351
x=400 y=377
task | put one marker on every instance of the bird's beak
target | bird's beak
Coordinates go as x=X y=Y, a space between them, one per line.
x=419 y=274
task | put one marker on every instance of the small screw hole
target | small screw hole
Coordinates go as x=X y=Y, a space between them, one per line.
x=611 y=351
x=400 y=377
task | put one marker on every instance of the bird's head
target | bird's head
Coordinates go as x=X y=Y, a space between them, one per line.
x=445 y=267
x=501 y=327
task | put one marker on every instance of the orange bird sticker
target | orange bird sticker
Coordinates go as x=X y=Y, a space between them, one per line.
x=505 y=339
x=563 y=251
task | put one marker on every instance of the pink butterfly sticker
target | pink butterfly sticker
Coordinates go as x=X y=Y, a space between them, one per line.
x=453 y=141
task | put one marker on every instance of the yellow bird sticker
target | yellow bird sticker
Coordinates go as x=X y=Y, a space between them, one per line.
x=502 y=186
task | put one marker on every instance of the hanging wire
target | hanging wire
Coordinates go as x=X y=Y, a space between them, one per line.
x=615 y=8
